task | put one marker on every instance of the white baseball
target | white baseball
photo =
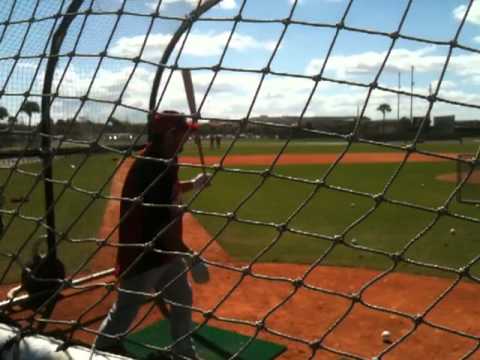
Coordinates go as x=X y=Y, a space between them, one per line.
x=386 y=336
x=453 y=231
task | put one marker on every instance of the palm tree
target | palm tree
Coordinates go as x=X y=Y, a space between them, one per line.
x=29 y=108
x=384 y=108
x=3 y=113
x=12 y=120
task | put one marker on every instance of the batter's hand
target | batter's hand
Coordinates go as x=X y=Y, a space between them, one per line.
x=201 y=180
x=200 y=272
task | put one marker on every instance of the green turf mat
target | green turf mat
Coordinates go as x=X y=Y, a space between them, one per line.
x=211 y=343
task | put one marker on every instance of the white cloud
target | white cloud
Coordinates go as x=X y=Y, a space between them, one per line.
x=473 y=15
x=425 y=60
x=232 y=94
x=228 y=4
x=198 y=44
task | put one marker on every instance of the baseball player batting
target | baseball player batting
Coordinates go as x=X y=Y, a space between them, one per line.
x=147 y=271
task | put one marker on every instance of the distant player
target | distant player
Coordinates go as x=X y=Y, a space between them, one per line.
x=218 y=140
x=211 y=137
x=151 y=270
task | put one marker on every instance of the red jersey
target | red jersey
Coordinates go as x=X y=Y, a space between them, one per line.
x=144 y=222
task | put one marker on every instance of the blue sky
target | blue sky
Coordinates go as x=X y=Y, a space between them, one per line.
x=356 y=56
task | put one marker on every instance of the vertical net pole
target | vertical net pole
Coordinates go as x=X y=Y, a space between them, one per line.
x=45 y=126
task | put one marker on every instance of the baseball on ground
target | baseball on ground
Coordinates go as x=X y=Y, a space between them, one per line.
x=386 y=336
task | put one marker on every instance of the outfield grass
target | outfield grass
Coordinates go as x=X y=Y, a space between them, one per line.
x=330 y=212
x=91 y=176
x=311 y=146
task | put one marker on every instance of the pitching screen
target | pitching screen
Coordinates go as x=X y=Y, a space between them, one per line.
x=470 y=191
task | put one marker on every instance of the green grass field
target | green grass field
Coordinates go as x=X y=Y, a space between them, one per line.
x=388 y=228
x=266 y=146
x=91 y=176
x=330 y=212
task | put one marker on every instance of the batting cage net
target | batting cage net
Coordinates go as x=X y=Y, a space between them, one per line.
x=324 y=218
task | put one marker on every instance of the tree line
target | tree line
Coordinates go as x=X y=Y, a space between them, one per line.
x=28 y=107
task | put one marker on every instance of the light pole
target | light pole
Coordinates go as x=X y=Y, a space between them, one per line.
x=411 y=93
x=398 y=94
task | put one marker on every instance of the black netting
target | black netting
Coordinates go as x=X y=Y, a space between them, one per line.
x=81 y=79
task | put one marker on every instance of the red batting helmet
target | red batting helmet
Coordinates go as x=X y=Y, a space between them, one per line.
x=168 y=120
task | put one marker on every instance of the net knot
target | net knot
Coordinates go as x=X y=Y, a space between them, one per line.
x=356 y=297
x=464 y=271
x=442 y=210
x=246 y=270
x=378 y=198
x=396 y=257
x=418 y=319
x=281 y=228
x=410 y=148
x=208 y=314
x=260 y=325
x=315 y=345
x=394 y=35
x=352 y=137
x=297 y=283
x=338 y=238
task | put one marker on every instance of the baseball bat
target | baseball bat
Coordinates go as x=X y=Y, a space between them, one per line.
x=188 y=84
